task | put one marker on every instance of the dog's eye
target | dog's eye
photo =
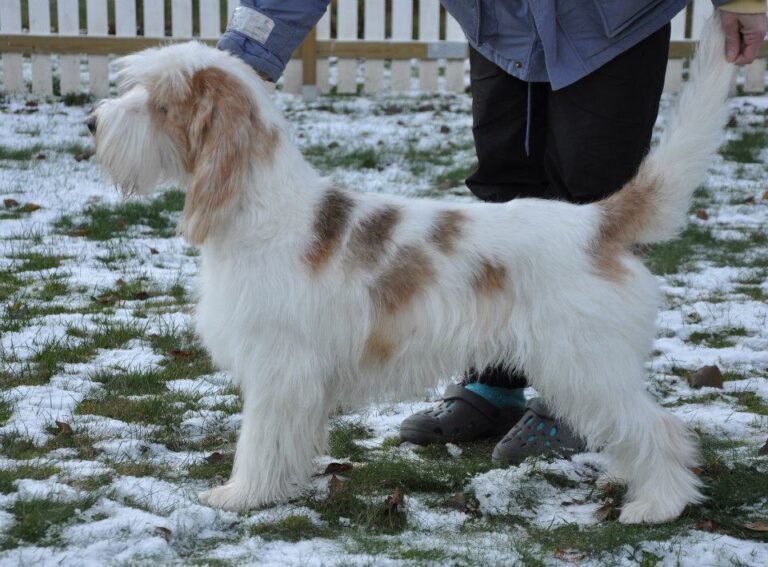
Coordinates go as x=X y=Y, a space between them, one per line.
x=163 y=109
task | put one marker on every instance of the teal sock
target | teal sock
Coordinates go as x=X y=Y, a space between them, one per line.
x=502 y=398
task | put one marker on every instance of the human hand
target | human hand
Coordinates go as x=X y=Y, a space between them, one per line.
x=744 y=33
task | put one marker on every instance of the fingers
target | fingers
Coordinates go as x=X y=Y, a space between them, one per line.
x=732 y=36
x=749 y=51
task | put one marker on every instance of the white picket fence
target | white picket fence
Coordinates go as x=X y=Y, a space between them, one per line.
x=426 y=59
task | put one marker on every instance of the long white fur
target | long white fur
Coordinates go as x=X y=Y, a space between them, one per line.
x=294 y=340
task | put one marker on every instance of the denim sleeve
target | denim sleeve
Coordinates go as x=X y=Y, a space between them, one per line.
x=264 y=33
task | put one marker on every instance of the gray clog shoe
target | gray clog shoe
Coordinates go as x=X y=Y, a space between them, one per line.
x=461 y=415
x=535 y=433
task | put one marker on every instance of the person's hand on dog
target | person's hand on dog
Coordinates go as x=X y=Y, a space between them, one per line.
x=744 y=34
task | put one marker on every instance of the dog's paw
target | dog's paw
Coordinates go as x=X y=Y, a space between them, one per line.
x=645 y=512
x=230 y=496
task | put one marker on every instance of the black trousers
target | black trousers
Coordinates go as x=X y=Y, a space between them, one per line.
x=579 y=144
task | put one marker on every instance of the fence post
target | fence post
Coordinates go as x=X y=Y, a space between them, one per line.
x=454 y=70
x=98 y=70
x=673 y=79
x=69 y=65
x=429 y=30
x=309 y=66
x=10 y=22
x=373 y=29
x=40 y=24
x=324 y=33
x=346 y=29
x=402 y=30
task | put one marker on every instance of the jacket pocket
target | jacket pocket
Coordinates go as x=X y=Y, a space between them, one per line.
x=467 y=13
x=617 y=15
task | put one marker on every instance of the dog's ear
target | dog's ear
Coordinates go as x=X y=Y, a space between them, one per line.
x=222 y=133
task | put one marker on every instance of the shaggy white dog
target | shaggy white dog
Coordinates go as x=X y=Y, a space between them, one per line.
x=315 y=297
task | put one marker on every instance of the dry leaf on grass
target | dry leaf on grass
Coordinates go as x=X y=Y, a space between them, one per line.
x=459 y=502
x=606 y=512
x=10 y=203
x=702 y=214
x=394 y=502
x=763 y=450
x=64 y=429
x=165 y=533
x=569 y=555
x=337 y=468
x=707 y=525
x=757 y=526
x=709 y=376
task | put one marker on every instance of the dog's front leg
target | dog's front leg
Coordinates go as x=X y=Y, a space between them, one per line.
x=282 y=414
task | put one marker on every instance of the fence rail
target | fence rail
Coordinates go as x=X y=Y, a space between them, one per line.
x=404 y=47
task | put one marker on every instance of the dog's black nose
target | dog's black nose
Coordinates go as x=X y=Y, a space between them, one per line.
x=91 y=123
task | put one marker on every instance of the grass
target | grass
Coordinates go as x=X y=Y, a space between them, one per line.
x=20 y=154
x=36 y=519
x=718 y=339
x=746 y=149
x=342 y=440
x=104 y=222
x=35 y=262
x=36 y=472
x=291 y=528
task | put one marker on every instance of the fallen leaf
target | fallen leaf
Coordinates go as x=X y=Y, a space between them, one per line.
x=425 y=108
x=758 y=526
x=154 y=251
x=393 y=109
x=120 y=282
x=64 y=429
x=763 y=450
x=84 y=156
x=335 y=485
x=574 y=502
x=749 y=200
x=702 y=214
x=215 y=457
x=707 y=525
x=337 y=468
x=180 y=353
x=333 y=145
x=31 y=104
x=121 y=224
x=10 y=203
x=108 y=299
x=459 y=502
x=163 y=532
x=31 y=207
x=569 y=556
x=765 y=196
x=606 y=512
x=445 y=129
x=698 y=471
x=732 y=122
x=393 y=502
x=709 y=376
x=40 y=156
x=141 y=295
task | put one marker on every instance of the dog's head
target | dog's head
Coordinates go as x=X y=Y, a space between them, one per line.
x=186 y=113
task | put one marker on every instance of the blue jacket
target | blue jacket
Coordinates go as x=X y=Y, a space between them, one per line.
x=555 y=41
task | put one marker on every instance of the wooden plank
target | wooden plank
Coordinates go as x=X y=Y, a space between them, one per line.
x=754 y=77
x=181 y=18
x=125 y=18
x=402 y=30
x=323 y=28
x=42 y=70
x=454 y=70
x=309 y=66
x=210 y=18
x=429 y=28
x=231 y=5
x=10 y=22
x=100 y=45
x=98 y=65
x=154 y=18
x=346 y=22
x=673 y=80
x=292 y=76
x=69 y=65
x=373 y=29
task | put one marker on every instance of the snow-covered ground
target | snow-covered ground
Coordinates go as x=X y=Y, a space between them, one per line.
x=95 y=308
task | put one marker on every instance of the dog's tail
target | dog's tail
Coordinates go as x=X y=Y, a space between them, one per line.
x=653 y=206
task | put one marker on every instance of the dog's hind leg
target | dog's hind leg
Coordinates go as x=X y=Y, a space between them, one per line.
x=595 y=384
x=284 y=423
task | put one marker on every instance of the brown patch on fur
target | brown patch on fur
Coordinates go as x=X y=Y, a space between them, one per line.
x=490 y=278
x=219 y=135
x=369 y=239
x=330 y=223
x=624 y=214
x=378 y=348
x=447 y=230
x=410 y=272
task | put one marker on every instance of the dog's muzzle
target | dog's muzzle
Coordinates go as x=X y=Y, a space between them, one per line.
x=91 y=123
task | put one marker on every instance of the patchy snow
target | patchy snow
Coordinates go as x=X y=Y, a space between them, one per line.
x=149 y=519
